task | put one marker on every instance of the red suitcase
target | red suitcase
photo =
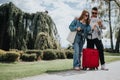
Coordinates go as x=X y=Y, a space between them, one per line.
x=90 y=58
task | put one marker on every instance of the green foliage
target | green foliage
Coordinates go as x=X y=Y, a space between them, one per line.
x=49 y=55
x=43 y=41
x=11 y=29
x=10 y=57
x=60 y=54
x=33 y=51
x=28 y=57
x=56 y=44
x=2 y=52
x=69 y=54
x=32 y=55
x=37 y=52
x=26 y=31
x=70 y=47
x=39 y=55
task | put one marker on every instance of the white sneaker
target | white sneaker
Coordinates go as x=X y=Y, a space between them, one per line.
x=77 y=68
x=104 y=68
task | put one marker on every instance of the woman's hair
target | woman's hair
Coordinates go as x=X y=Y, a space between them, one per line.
x=82 y=16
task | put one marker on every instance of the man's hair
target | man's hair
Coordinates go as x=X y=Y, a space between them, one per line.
x=95 y=8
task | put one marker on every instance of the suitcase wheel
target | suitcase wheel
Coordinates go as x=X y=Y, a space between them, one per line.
x=91 y=68
x=96 y=68
x=84 y=68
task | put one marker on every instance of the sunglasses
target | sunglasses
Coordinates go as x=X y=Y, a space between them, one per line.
x=94 y=12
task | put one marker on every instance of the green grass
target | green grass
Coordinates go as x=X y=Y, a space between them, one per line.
x=112 y=54
x=110 y=57
x=23 y=69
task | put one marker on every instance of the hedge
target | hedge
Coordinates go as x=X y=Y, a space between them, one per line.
x=9 y=57
x=69 y=54
x=28 y=57
x=49 y=54
x=60 y=54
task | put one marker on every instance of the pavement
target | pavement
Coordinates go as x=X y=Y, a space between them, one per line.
x=112 y=74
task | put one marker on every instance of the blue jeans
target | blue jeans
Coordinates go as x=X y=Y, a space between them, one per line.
x=78 y=46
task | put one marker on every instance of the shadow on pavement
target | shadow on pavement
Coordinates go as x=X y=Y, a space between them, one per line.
x=68 y=72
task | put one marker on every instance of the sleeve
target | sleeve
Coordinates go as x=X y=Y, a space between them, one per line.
x=89 y=30
x=73 y=26
x=102 y=26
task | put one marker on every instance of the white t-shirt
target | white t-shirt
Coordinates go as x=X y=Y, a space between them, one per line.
x=97 y=32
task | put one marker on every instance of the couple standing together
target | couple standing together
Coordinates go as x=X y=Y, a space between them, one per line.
x=90 y=29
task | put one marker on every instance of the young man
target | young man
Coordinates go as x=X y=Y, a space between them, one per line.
x=95 y=37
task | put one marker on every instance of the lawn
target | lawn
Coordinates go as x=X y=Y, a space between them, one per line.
x=112 y=54
x=110 y=57
x=23 y=69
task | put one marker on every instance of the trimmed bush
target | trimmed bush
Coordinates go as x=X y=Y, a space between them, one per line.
x=60 y=54
x=32 y=51
x=28 y=57
x=10 y=57
x=49 y=55
x=1 y=57
x=2 y=52
x=32 y=57
x=69 y=54
x=24 y=57
x=37 y=52
x=39 y=55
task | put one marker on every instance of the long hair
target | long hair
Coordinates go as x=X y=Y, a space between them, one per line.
x=82 y=16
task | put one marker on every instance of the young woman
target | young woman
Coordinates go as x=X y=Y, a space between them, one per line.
x=81 y=25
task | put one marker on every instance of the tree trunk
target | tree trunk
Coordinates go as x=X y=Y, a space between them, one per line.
x=117 y=43
x=117 y=46
x=111 y=40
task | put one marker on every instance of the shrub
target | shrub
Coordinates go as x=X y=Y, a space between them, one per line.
x=37 y=52
x=60 y=54
x=25 y=57
x=69 y=54
x=38 y=55
x=28 y=57
x=2 y=52
x=109 y=50
x=32 y=57
x=49 y=55
x=31 y=51
x=10 y=57
x=1 y=57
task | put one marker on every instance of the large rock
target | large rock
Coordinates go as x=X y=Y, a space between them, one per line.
x=20 y=30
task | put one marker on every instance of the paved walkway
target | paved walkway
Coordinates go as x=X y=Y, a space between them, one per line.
x=112 y=74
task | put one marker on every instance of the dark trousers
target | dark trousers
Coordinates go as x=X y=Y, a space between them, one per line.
x=99 y=46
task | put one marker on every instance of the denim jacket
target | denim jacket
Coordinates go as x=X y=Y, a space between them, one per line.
x=82 y=34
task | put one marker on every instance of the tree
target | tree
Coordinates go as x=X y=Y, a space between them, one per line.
x=111 y=37
x=20 y=30
x=117 y=28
